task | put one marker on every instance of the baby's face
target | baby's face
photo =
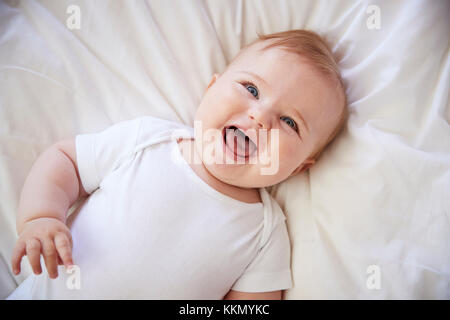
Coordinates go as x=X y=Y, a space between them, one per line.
x=273 y=90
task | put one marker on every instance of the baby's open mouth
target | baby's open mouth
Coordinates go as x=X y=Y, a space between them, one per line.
x=238 y=142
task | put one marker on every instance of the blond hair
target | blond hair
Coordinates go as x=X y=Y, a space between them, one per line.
x=314 y=49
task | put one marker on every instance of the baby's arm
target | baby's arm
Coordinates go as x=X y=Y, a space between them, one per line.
x=50 y=189
x=237 y=295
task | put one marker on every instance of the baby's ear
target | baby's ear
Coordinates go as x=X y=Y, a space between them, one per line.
x=304 y=166
x=214 y=78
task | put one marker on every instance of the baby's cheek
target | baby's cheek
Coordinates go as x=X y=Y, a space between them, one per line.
x=289 y=156
x=231 y=94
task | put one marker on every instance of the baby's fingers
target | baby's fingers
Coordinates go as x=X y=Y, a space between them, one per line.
x=18 y=253
x=50 y=256
x=64 y=248
x=33 y=250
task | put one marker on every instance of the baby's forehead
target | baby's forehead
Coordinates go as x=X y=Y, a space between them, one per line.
x=258 y=50
x=256 y=57
x=275 y=63
x=282 y=63
x=281 y=59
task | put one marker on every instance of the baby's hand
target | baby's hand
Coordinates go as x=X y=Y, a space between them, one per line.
x=48 y=236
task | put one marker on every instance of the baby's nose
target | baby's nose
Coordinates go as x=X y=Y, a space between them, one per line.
x=262 y=118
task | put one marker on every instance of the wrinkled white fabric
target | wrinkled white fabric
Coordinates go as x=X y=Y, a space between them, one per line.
x=377 y=197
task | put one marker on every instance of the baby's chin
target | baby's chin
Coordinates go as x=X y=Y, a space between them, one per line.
x=243 y=176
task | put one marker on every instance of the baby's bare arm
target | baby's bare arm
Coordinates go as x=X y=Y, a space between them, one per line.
x=237 y=295
x=52 y=185
x=50 y=189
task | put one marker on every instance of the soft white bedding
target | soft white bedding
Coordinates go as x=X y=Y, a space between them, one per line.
x=371 y=220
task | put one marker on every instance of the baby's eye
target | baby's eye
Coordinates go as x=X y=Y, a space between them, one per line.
x=251 y=88
x=290 y=122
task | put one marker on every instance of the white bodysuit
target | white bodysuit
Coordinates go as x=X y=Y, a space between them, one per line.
x=152 y=229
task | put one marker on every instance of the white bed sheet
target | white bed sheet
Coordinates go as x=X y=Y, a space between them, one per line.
x=379 y=196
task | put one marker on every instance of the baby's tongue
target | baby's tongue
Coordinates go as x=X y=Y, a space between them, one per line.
x=243 y=146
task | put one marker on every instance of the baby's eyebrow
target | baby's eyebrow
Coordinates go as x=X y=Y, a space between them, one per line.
x=254 y=75
x=301 y=118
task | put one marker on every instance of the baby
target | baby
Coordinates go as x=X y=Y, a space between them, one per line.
x=171 y=213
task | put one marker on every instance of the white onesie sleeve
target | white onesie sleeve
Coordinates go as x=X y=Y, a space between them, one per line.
x=270 y=270
x=98 y=154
